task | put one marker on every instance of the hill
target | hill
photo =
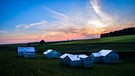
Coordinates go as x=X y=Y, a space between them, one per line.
x=116 y=39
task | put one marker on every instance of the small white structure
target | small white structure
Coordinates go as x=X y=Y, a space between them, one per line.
x=105 y=56
x=109 y=56
x=21 y=51
x=30 y=52
x=71 y=60
x=27 y=52
x=51 y=54
x=95 y=57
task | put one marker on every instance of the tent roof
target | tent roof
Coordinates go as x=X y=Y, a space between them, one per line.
x=46 y=52
x=104 y=52
x=83 y=56
x=21 y=49
x=96 y=54
x=64 y=55
x=74 y=57
x=30 y=49
x=26 y=49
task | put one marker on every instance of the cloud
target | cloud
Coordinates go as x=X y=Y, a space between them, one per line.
x=56 y=14
x=26 y=26
x=77 y=22
x=2 y=32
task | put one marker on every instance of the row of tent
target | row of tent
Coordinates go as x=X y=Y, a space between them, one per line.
x=103 y=56
x=76 y=60
x=69 y=59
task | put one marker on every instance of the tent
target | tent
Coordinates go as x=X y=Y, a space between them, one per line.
x=30 y=52
x=63 y=60
x=21 y=51
x=95 y=57
x=51 y=54
x=27 y=52
x=72 y=60
x=109 y=56
x=76 y=60
x=87 y=62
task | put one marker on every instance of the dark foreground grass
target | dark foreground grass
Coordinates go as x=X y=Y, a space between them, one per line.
x=11 y=65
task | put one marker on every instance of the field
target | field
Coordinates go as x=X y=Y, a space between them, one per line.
x=11 y=65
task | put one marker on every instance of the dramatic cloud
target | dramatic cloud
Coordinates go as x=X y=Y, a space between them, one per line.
x=72 y=24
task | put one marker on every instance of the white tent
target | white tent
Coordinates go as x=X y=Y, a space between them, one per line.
x=30 y=52
x=26 y=52
x=104 y=52
x=71 y=60
x=95 y=57
x=51 y=54
x=46 y=52
x=21 y=51
x=109 y=56
x=105 y=56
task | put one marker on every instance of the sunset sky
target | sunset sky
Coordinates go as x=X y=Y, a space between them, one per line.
x=55 y=20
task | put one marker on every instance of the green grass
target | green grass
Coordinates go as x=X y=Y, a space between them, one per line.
x=117 y=39
x=11 y=65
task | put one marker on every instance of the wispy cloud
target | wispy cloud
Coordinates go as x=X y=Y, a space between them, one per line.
x=56 y=14
x=26 y=26
x=104 y=19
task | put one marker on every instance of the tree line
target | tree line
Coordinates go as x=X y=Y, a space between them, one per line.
x=125 y=31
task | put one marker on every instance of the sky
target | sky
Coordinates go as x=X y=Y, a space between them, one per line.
x=24 y=21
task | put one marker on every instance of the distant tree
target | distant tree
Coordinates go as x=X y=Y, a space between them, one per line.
x=28 y=44
x=42 y=42
x=126 y=31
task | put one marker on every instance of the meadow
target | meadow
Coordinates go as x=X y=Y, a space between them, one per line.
x=11 y=65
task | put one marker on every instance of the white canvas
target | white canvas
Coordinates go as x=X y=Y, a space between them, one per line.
x=96 y=54
x=64 y=55
x=30 y=49
x=104 y=52
x=83 y=56
x=74 y=57
x=46 y=52
x=21 y=49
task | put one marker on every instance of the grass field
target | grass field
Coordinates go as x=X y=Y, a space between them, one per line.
x=11 y=65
